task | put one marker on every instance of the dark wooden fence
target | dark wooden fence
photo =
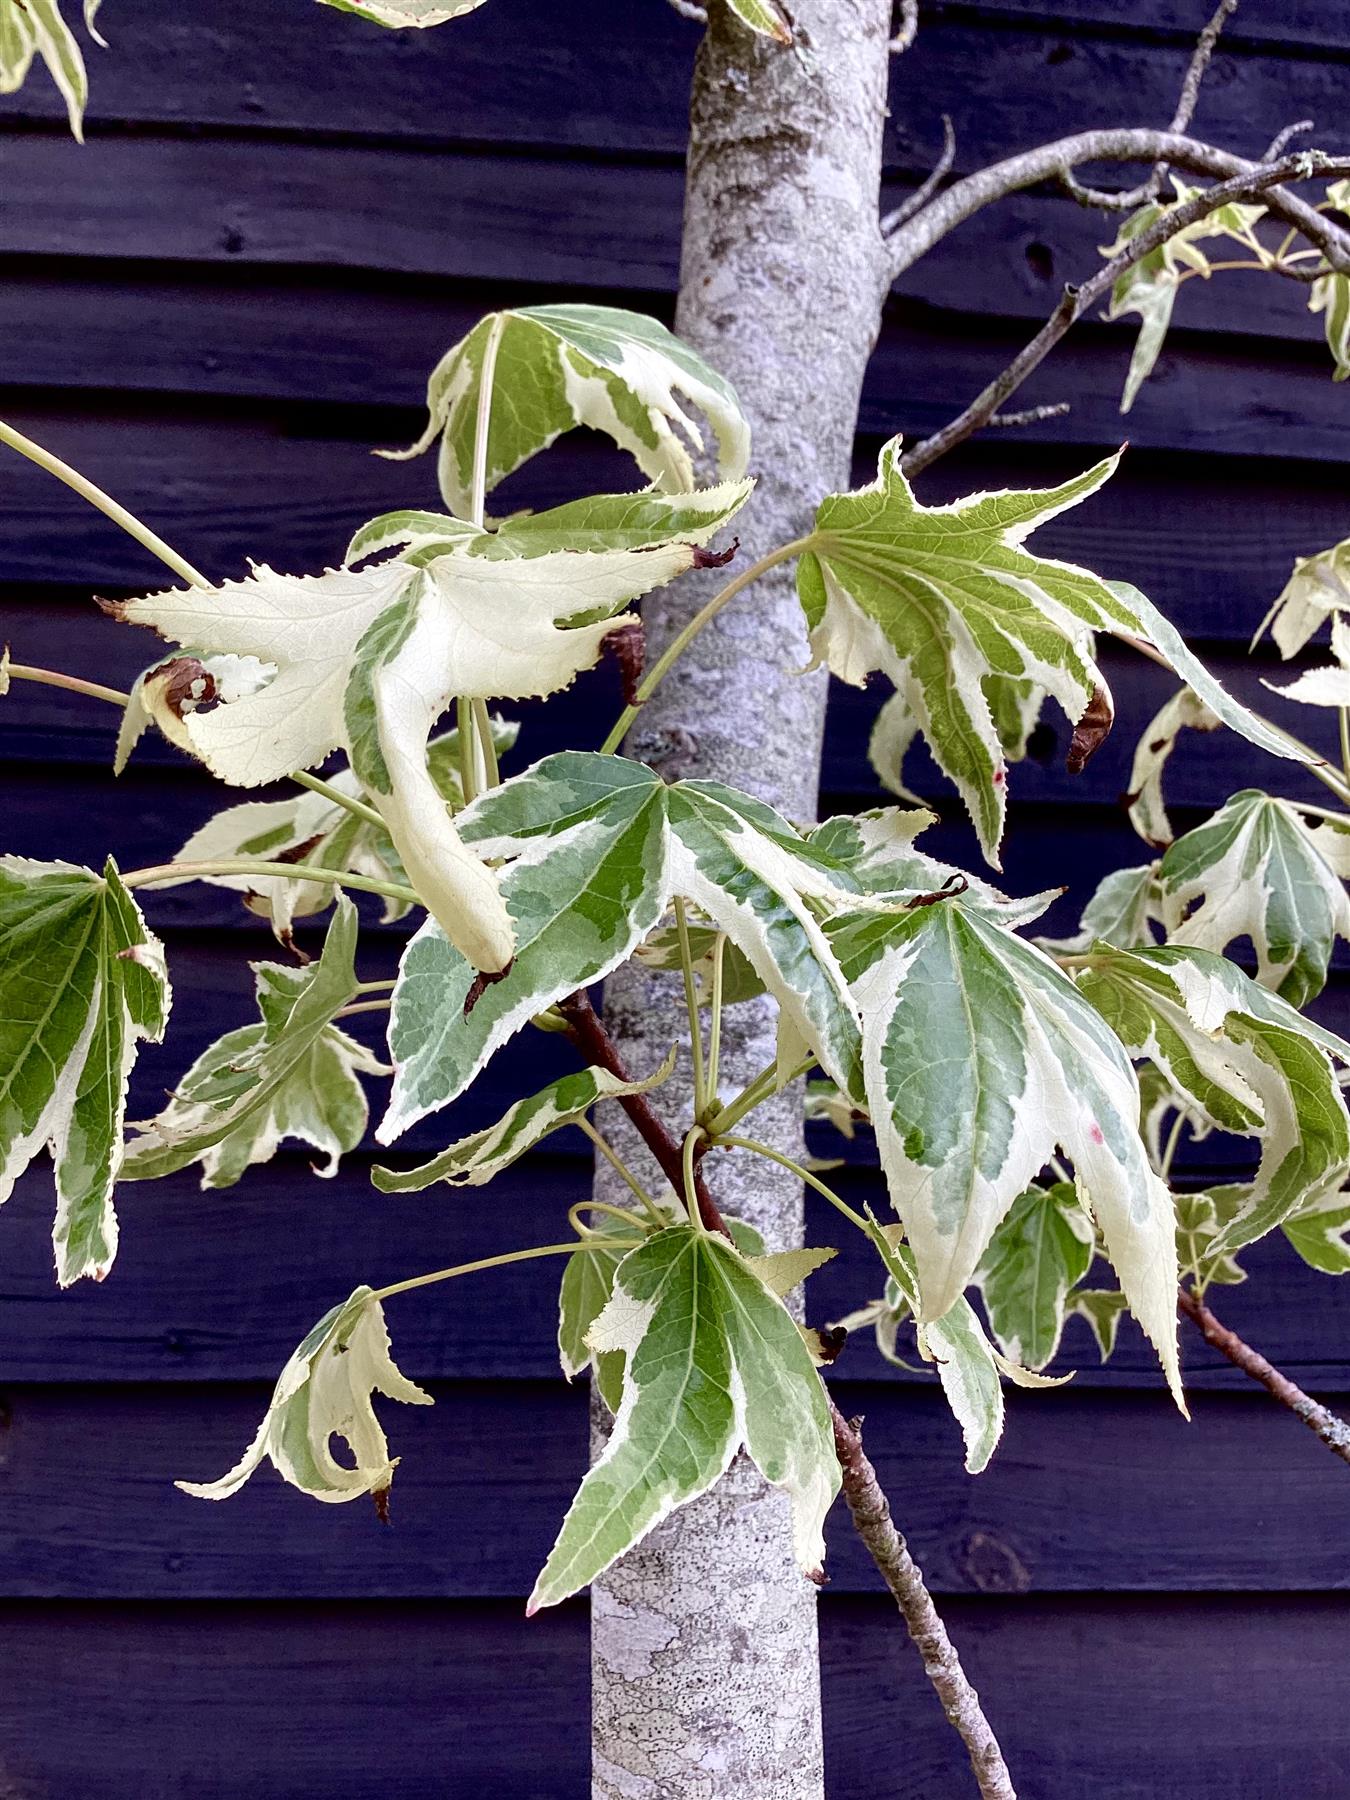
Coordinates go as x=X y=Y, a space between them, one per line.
x=215 y=308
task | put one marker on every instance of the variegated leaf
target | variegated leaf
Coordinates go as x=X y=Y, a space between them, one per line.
x=1103 y=1308
x=981 y=1059
x=326 y=1390
x=1122 y=912
x=713 y=1362
x=1326 y=686
x=1245 y=1061
x=82 y=981
x=1144 y=800
x=1330 y=296
x=764 y=17
x=587 y=1283
x=1257 y=870
x=30 y=28
x=400 y=15
x=292 y=1075
x=1038 y=1255
x=943 y=598
x=596 y=848
x=1150 y=287
x=1316 y=591
x=1321 y=1234
x=481 y=1157
x=554 y=367
x=968 y=1366
x=1200 y=1218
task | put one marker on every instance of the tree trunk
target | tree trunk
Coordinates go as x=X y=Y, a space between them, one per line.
x=704 y=1656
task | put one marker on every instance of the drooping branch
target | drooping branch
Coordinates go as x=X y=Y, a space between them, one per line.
x=1127 y=199
x=1075 y=301
x=871 y=1514
x=867 y=1504
x=1334 y=1432
x=1049 y=162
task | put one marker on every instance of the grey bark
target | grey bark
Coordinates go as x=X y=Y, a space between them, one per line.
x=704 y=1659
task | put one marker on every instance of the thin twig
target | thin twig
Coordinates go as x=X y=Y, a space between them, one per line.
x=1282 y=140
x=688 y=10
x=1031 y=415
x=1190 y=93
x=922 y=194
x=871 y=1514
x=1075 y=301
x=1334 y=1432
x=954 y=205
x=909 y=27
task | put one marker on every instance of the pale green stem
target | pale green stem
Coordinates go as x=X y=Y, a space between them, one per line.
x=363 y=1006
x=468 y=749
x=375 y=987
x=92 y=690
x=691 y=1004
x=1173 y=1144
x=487 y=749
x=715 y=1007
x=488 y=1262
x=579 y=1225
x=1344 y=716
x=761 y=1088
x=104 y=502
x=487 y=377
x=247 y=865
x=811 y=1180
x=682 y=640
x=347 y=802
x=621 y=1169
x=691 y=1205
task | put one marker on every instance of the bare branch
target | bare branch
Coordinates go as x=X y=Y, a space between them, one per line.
x=1031 y=415
x=871 y=1515
x=909 y=27
x=1048 y=162
x=1334 y=1432
x=1076 y=300
x=688 y=10
x=1128 y=200
x=892 y=221
x=1281 y=142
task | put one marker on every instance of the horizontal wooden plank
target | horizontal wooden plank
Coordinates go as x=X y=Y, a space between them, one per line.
x=221 y=1286
x=89 y=1510
x=234 y=1699
x=518 y=74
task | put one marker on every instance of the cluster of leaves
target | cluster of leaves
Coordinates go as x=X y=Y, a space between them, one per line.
x=36 y=28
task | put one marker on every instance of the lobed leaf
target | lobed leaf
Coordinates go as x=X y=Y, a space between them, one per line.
x=713 y=1362
x=325 y=1391
x=82 y=981
x=1144 y=800
x=1038 y=1255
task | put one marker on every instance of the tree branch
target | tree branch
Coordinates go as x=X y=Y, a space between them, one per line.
x=1075 y=301
x=1334 y=1432
x=1049 y=162
x=908 y=28
x=871 y=1515
x=892 y=221
x=1128 y=199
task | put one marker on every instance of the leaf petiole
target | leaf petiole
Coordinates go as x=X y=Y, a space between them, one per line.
x=787 y=1162
x=247 y=865
x=490 y=1262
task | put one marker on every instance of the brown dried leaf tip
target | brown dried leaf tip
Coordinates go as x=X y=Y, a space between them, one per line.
x=1091 y=731
x=715 y=559
x=628 y=643
x=481 y=983
x=952 y=888
x=381 y=1498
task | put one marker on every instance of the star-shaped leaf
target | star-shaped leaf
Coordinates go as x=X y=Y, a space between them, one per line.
x=81 y=981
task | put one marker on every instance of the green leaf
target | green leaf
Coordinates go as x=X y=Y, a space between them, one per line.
x=1328 y=685
x=1150 y=287
x=1321 y=1234
x=1256 y=870
x=1122 y=912
x=765 y=17
x=399 y=15
x=1144 y=800
x=81 y=982
x=587 y=1283
x=876 y=849
x=969 y=1368
x=1245 y=1061
x=981 y=1059
x=36 y=27
x=1038 y=1255
x=292 y=1075
x=661 y=950
x=1103 y=1308
x=1330 y=296
x=1200 y=1218
x=943 y=599
x=560 y=366
x=597 y=848
x=1317 y=590
x=370 y=659
x=480 y=1157
x=714 y=1362
x=326 y=1391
